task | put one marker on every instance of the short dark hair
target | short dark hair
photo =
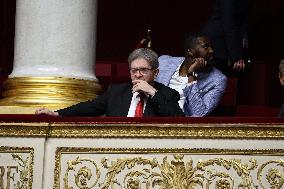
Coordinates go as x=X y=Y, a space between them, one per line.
x=147 y=54
x=281 y=67
x=191 y=39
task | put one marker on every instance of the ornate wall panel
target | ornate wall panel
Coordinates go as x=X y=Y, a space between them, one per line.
x=146 y=154
x=16 y=167
x=21 y=162
x=168 y=168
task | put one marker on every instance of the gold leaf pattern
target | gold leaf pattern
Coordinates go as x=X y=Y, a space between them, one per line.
x=172 y=171
x=25 y=178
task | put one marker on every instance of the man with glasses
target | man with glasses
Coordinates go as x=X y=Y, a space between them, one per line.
x=142 y=97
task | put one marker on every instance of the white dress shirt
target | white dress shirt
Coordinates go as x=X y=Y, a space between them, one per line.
x=178 y=83
x=134 y=101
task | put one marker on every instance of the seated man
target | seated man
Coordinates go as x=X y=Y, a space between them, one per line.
x=200 y=85
x=142 y=97
x=281 y=79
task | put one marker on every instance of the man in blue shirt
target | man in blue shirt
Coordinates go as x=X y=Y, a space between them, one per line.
x=200 y=84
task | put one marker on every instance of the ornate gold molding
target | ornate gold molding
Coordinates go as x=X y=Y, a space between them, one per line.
x=52 y=92
x=144 y=130
x=25 y=165
x=158 y=130
x=212 y=172
x=24 y=129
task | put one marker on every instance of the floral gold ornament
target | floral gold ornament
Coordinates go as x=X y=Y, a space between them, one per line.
x=172 y=169
x=274 y=174
x=23 y=176
x=84 y=175
x=24 y=171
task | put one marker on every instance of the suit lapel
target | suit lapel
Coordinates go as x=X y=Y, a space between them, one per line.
x=125 y=101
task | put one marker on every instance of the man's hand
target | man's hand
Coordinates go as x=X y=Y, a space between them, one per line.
x=198 y=64
x=45 y=111
x=281 y=79
x=239 y=65
x=143 y=86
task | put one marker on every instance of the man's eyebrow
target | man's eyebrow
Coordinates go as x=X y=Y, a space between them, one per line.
x=204 y=44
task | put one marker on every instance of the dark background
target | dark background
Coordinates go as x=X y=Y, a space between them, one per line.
x=122 y=23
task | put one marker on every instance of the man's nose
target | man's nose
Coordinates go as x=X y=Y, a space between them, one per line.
x=211 y=51
x=138 y=74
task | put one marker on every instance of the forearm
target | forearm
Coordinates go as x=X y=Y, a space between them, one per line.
x=83 y=109
x=166 y=106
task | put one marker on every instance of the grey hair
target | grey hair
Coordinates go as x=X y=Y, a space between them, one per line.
x=147 y=54
x=281 y=67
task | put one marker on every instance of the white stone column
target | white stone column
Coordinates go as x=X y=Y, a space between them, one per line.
x=54 y=55
x=55 y=38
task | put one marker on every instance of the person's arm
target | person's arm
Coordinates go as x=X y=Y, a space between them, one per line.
x=163 y=100
x=199 y=102
x=46 y=111
x=96 y=107
x=232 y=32
x=166 y=104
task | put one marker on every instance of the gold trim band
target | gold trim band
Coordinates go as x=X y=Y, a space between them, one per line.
x=140 y=130
x=48 y=91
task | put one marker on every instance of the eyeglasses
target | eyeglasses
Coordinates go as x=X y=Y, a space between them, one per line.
x=142 y=71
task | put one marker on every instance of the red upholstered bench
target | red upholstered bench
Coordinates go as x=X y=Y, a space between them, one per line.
x=112 y=72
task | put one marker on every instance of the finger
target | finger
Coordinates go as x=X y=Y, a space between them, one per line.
x=240 y=66
x=135 y=88
x=199 y=60
x=38 y=110
x=235 y=65
x=243 y=66
x=135 y=82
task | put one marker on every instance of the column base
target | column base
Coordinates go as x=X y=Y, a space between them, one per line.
x=22 y=95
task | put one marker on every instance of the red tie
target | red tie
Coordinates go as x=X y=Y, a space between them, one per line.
x=140 y=106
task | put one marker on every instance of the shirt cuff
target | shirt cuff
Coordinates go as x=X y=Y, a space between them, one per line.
x=191 y=83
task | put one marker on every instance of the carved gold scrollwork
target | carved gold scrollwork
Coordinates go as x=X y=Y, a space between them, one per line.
x=177 y=174
x=22 y=174
x=134 y=178
x=84 y=179
x=24 y=170
x=224 y=180
x=274 y=174
x=175 y=170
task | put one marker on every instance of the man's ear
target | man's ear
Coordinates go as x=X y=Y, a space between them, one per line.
x=156 y=72
x=190 y=52
x=281 y=77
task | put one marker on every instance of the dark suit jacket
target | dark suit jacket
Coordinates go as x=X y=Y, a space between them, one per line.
x=116 y=102
x=281 y=112
x=227 y=27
